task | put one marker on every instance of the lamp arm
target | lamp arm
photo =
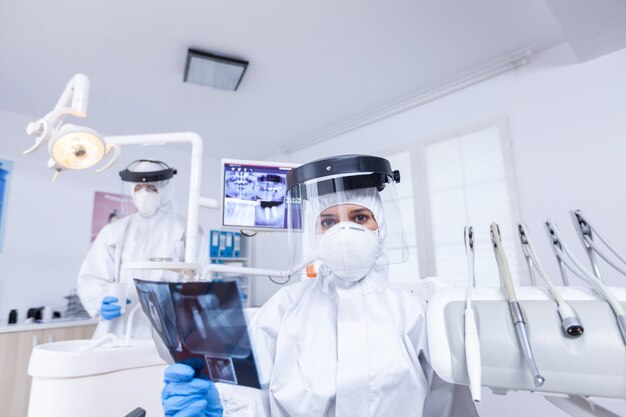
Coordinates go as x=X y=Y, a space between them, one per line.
x=75 y=97
x=73 y=101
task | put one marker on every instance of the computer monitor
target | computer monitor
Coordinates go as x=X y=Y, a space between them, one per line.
x=254 y=194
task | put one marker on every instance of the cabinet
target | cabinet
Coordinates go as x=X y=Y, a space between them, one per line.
x=245 y=281
x=16 y=346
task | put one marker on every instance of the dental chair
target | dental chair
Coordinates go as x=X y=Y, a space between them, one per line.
x=81 y=378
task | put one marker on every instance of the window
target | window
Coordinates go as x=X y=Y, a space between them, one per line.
x=467 y=184
x=445 y=185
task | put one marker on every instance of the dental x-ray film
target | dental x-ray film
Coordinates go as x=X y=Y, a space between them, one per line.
x=203 y=321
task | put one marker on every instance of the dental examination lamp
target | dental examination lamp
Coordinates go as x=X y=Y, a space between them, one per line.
x=569 y=320
x=70 y=147
x=76 y=147
x=586 y=234
x=564 y=255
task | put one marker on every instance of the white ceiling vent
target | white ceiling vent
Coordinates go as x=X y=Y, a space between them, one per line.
x=215 y=71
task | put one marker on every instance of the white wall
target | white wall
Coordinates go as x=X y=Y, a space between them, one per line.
x=48 y=225
x=568 y=129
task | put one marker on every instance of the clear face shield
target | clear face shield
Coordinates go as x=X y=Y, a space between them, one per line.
x=346 y=223
x=147 y=189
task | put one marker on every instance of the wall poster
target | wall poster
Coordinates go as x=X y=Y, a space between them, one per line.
x=6 y=169
x=107 y=208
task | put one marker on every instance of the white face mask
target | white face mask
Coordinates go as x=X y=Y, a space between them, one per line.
x=349 y=250
x=147 y=202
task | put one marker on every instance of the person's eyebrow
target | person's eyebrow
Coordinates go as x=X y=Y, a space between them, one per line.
x=361 y=210
x=328 y=215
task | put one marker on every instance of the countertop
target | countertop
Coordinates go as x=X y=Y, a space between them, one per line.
x=52 y=324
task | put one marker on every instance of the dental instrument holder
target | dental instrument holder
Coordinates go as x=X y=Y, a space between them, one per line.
x=472 y=340
x=584 y=231
x=586 y=235
x=591 y=365
x=529 y=261
x=556 y=246
x=517 y=316
x=560 y=249
x=571 y=324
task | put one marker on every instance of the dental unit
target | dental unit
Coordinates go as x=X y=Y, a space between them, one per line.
x=472 y=342
x=517 y=315
x=564 y=254
x=570 y=322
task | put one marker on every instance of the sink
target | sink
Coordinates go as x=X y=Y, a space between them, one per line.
x=106 y=381
x=66 y=359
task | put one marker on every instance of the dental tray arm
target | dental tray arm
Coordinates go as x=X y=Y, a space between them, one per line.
x=245 y=270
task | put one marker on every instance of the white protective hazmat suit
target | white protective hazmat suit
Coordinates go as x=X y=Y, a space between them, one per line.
x=327 y=347
x=130 y=239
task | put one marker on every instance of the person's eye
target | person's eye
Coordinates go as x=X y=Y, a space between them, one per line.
x=327 y=223
x=361 y=218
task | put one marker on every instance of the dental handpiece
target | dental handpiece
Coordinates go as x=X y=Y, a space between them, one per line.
x=472 y=342
x=583 y=230
x=586 y=234
x=570 y=322
x=562 y=252
x=517 y=315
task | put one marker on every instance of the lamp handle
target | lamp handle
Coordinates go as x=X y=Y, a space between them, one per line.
x=110 y=147
x=40 y=129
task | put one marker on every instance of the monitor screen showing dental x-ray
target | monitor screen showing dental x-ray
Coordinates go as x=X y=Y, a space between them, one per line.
x=254 y=194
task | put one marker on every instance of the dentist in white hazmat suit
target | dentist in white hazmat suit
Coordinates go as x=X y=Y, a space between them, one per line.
x=154 y=233
x=347 y=343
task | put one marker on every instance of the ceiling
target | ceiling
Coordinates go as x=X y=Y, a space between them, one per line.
x=312 y=64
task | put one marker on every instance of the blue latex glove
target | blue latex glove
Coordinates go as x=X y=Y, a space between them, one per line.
x=109 y=309
x=186 y=396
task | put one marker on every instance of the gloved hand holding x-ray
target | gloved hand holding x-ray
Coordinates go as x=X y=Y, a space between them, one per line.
x=185 y=395
x=202 y=322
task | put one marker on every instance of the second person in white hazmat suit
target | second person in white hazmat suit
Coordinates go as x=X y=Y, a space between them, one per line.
x=346 y=343
x=154 y=233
